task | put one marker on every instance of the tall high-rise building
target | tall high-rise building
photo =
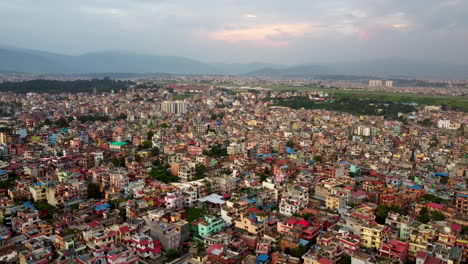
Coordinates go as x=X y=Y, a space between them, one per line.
x=175 y=107
x=375 y=83
x=388 y=83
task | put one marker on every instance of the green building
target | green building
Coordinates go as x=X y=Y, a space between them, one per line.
x=210 y=225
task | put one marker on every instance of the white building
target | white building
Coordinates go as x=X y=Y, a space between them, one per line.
x=375 y=83
x=444 y=123
x=175 y=107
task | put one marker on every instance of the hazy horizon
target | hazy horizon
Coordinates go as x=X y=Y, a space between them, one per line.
x=241 y=31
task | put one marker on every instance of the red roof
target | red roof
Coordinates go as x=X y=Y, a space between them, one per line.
x=303 y=223
x=324 y=260
x=435 y=206
x=253 y=209
x=93 y=224
x=292 y=221
x=455 y=227
x=114 y=257
x=213 y=247
x=124 y=229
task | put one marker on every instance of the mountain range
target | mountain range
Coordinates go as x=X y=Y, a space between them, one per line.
x=35 y=61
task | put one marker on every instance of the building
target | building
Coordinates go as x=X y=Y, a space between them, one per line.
x=253 y=221
x=335 y=202
x=375 y=83
x=373 y=236
x=117 y=145
x=461 y=203
x=444 y=123
x=421 y=237
x=394 y=249
x=167 y=234
x=174 y=107
x=388 y=83
x=38 y=191
x=210 y=225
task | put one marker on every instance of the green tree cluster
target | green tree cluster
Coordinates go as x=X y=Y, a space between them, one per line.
x=145 y=144
x=193 y=214
x=215 y=151
x=55 y=86
x=162 y=173
x=94 y=191
x=367 y=106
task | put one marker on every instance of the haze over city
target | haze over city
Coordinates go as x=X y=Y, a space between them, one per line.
x=229 y=31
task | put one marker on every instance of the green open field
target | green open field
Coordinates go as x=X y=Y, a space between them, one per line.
x=457 y=102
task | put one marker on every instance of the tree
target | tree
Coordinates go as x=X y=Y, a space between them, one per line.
x=465 y=230
x=122 y=116
x=94 y=191
x=56 y=87
x=154 y=151
x=138 y=158
x=118 y=162
x=426 y=122
x=437 y=216
x=307 y=216
x=145 y=144
x=115 y=161
x=193 y=214
x=200 y=171
x=345 y=260
x=381 y=213
x=298 y=252
x=215 y=151
x=318 y=158
x=424 y=216
x=161 y=173
x=172 y=254
x=149 y=135
x=263 y=177
x=432 y=198
x=45 y=209
x=61 y=122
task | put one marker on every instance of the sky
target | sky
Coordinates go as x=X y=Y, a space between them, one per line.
x=273 y=31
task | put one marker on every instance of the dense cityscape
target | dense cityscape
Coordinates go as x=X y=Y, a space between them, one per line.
x=233 y=132
x=176 y=171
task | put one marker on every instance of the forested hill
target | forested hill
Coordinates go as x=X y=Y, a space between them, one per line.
x=54 y=86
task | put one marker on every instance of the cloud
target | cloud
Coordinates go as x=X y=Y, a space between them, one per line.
x=250 y=16
x=400 y=26
x=243 y=30
x=263 y=33
x=103 y=11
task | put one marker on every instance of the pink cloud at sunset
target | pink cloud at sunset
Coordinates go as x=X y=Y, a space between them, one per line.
x=272 y=34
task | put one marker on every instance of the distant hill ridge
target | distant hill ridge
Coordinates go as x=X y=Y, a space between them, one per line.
x=35 y=61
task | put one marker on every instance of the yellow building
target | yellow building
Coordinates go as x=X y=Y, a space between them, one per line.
x=38 y=192
x=334 y=202
x=420 y=237
x=252 y=221
x=372 y=236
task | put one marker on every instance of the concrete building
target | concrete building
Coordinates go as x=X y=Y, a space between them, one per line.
x=375 y=83
x=175 y=107
x=167 y=234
